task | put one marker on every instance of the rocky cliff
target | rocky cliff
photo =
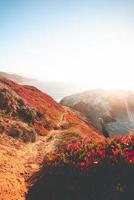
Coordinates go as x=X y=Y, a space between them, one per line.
x=109 y=111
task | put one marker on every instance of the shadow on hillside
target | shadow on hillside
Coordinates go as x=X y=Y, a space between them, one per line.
x=103 y=183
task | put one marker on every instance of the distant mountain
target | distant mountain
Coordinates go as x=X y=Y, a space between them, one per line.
x=16 y=77
x=56 y=89
x=112 y=112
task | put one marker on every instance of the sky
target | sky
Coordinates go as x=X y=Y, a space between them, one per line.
x=85 y=41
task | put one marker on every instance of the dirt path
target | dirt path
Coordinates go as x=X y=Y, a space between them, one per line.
x=32 y=155
x=61 y=120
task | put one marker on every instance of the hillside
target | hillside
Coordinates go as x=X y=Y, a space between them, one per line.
x=112 y=112
x=32 y=125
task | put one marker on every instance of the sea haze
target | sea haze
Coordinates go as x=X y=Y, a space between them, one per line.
x=57 y=89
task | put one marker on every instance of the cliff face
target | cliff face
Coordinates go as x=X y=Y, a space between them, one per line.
x=115 y=109
x=33 y=125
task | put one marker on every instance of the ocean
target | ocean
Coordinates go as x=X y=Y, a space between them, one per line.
x=58 y=90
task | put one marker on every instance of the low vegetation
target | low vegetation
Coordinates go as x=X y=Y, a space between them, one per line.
x=88 y=170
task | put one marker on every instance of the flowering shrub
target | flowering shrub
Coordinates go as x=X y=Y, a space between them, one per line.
x=111 y=151
x=89 y=170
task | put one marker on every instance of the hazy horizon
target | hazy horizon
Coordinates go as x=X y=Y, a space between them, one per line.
x=85 y=41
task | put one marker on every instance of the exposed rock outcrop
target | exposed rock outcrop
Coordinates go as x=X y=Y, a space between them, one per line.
x=115 y=108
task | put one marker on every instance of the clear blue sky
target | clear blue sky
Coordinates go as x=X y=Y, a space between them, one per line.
x=71 y=40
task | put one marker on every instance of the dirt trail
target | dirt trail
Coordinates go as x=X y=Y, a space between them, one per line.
x=19 y=162
x=32 y=155
x=61 y=120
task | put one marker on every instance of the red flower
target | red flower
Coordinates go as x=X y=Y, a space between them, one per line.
x=115 y=152
x=102 y=153
x=130 y=156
